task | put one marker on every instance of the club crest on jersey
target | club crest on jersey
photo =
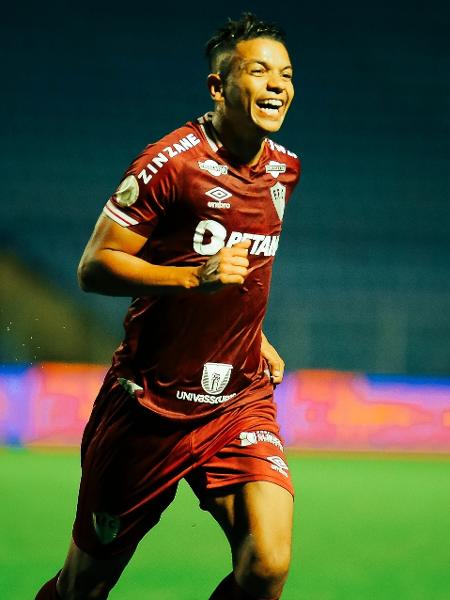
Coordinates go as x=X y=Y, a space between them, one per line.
x=213 y=167
x=215 y=377
x=275 y=168
x=278 y=193
x=128 y=191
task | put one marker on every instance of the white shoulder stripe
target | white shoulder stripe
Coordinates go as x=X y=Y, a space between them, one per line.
x=118 y=216
x=112 y=216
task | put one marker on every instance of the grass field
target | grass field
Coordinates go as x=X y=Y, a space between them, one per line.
x=366 y=528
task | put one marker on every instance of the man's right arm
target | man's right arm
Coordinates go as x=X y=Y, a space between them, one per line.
x=110 y=265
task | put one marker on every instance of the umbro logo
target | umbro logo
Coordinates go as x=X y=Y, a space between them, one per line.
x=278 y=464
x=218 y=195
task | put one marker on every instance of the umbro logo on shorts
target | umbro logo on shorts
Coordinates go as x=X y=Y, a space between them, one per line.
x=278 y=464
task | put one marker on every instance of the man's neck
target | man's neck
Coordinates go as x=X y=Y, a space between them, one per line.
x=245 y=149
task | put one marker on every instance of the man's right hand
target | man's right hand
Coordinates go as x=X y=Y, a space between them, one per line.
x=228 y=266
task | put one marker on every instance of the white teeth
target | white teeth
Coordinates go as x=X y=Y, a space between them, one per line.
x=271 y=102
x=269 y=110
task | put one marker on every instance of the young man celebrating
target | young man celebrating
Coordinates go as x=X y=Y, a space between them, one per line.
x=191 y=234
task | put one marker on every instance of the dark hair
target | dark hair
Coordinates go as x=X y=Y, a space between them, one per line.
x=248 y=27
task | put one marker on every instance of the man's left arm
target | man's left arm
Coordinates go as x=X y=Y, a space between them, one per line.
x=276 y=363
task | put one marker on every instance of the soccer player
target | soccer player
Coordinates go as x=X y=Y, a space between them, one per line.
x=191 y=234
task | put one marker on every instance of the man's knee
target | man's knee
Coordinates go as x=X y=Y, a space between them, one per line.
x=84 y=577
x=85 y=589
x=271 y=566
x=264 y=565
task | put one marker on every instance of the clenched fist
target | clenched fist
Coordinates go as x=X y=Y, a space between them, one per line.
x=228 y=266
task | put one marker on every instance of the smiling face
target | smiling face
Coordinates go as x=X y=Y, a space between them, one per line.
x=257 y=90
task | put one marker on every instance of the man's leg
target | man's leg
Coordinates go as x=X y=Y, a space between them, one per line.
x=257 y=520
x=84 y=577
x=228 y=588
x=48 y=590
x=131 y=466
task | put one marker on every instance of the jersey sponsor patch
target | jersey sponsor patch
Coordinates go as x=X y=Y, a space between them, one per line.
x=213 y=167
x=106 y=526
x=210 y=236
x=278 y=193
x=278 y=465
x=128 y=191
x=275 y=168
x=215 y=377
x=160 y=160
x=203 y=398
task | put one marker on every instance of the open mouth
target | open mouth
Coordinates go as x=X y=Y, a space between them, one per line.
x=270 y=106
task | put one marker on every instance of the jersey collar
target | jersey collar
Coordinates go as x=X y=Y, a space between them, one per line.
x=208 y=131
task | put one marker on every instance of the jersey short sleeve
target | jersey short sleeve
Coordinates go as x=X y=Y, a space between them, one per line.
x=144 y=193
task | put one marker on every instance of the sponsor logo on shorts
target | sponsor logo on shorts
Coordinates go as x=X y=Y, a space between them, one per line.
x=215 y=377
x=249 y=438
x=106 y=526
x=213 y=167
x=278 y=464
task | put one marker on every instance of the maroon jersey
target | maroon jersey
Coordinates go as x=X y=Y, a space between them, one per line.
x=188 y=354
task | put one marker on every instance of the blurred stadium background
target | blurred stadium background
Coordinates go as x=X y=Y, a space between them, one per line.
x=360 y=304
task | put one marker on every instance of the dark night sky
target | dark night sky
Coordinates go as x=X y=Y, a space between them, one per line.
x=86 y=86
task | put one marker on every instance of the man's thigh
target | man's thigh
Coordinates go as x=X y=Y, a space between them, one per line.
x=247 y=488
x=257 y=519
x=132 y=462
x=258 y=508
x=255 y=453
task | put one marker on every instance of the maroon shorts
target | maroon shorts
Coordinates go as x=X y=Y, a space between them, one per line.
x=132 y=461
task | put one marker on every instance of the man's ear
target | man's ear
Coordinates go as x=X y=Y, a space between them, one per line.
x=215 y=86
